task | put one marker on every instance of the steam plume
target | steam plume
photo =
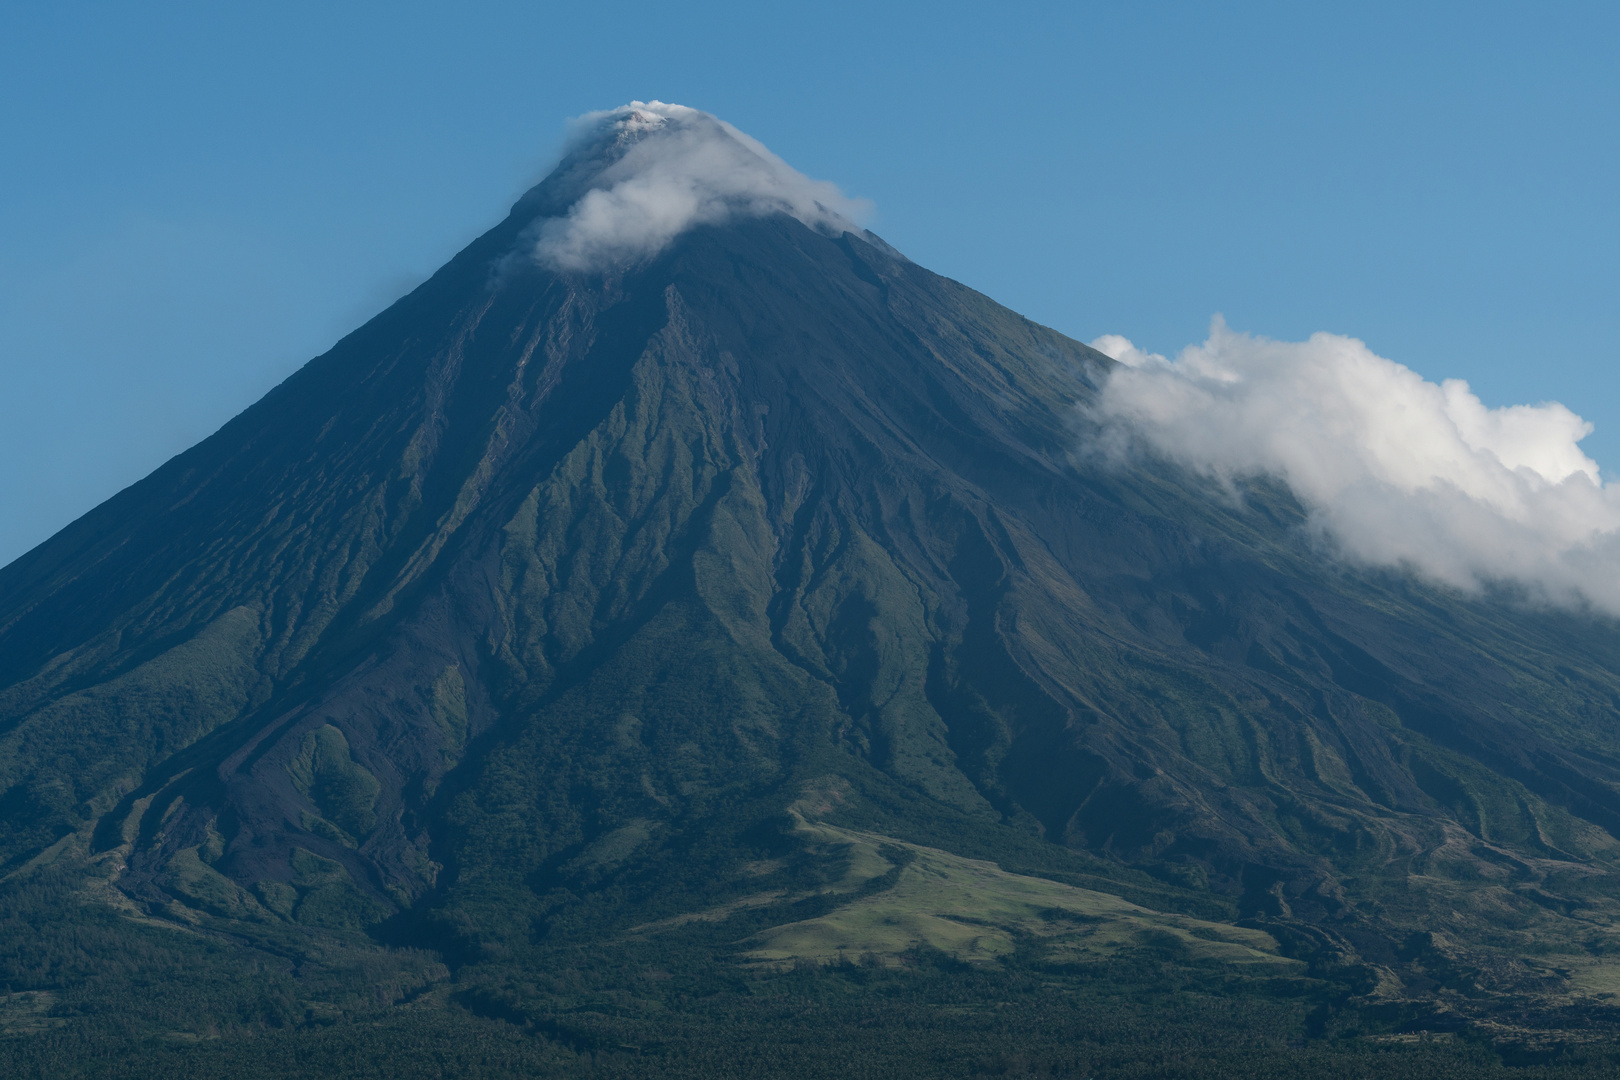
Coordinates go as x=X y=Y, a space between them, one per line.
x=652 y=171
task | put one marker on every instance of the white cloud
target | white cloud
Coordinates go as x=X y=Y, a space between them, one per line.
x=1124 y=350
x=1395 y=469
x=666 y=168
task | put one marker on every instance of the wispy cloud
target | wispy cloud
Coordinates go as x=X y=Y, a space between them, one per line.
x=659 y=170
x=1396 y=470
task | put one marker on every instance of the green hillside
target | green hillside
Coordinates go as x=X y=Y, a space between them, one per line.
x=749 y=664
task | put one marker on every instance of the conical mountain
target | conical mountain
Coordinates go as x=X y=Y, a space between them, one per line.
x=678 y=546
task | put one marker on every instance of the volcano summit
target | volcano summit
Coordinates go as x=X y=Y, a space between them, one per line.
x=684 y=637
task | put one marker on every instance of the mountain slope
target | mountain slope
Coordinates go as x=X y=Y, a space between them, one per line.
x=552 y=605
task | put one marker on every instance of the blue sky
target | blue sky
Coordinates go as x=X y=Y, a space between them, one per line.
x=197 y=198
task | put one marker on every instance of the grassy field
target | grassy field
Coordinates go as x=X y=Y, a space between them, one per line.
x=978 y=912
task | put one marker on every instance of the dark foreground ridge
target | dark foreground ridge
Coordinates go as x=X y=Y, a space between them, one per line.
x=738 y=665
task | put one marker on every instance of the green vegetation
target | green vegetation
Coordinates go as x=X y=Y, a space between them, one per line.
x=134 y=997
x=345 y=793
x=976 y=912
x=747 y=667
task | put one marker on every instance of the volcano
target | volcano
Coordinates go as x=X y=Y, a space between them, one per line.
x=683 y=604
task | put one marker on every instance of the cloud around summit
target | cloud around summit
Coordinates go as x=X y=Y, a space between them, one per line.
x=655 y=170
x=1396 y=470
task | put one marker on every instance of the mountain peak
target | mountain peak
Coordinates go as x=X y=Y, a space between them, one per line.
x=634 y=178
x=647 y=638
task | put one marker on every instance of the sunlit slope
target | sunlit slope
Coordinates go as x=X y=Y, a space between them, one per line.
x=974 y=910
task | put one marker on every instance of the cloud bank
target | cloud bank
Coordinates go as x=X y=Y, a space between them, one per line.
x=655 y=170
x=1396 y=470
